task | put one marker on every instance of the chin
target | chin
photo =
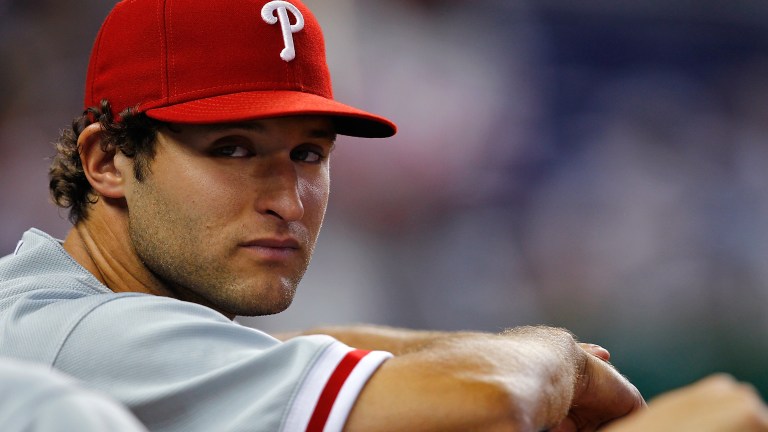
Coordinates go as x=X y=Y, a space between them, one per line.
x=262 y=306
x=252 y=298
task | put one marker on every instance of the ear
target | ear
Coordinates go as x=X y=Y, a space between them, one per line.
x=99 y=166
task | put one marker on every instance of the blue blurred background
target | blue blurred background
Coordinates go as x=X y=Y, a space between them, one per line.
x=598 y=165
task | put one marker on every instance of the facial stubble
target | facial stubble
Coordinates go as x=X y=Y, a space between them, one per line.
x=170 y=248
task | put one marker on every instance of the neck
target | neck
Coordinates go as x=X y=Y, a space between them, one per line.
x=101 y=245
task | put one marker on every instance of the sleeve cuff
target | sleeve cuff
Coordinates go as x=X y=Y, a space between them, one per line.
x=331 y=387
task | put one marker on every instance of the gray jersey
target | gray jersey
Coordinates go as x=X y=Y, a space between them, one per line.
x=34 y=398
x=178 y=366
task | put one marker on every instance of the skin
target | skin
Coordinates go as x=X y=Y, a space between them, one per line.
x=227 y=217
x=524 y=379
x=715 y=404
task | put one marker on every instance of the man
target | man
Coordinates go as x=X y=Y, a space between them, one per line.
x=197 y=181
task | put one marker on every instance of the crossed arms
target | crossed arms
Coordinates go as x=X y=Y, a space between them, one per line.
x=525 y=379
x=528 y=379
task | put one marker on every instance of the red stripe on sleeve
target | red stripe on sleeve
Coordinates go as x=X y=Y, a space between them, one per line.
x=332 y=388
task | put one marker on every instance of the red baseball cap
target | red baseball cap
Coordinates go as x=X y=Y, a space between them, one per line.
x=215 y=61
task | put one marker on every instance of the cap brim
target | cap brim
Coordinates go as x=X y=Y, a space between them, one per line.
x=264 y=104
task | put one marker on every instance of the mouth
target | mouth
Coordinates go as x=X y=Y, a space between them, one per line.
x=277 y=243
x=273 y=249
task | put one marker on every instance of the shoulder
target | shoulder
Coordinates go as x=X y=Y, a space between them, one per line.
x=41 y=263
x=35 y=398
x=43 y=295
x=176 y=365
x=162 y=353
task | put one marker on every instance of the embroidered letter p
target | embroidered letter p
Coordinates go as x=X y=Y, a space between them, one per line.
x=282 y=7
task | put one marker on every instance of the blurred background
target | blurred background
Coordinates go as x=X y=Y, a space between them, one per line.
x=599 y=165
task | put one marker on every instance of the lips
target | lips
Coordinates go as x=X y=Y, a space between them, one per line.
x=276 y=243
x=272 y=249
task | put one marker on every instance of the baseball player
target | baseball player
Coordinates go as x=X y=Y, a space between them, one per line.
x=197 y=180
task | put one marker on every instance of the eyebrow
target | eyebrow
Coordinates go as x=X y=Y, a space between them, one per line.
x=247 y=125
x=256 y=126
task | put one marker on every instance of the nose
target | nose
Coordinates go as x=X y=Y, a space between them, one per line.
x=280 y=192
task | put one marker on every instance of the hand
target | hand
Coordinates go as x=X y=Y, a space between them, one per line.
x=715 y=404
x=601 y=395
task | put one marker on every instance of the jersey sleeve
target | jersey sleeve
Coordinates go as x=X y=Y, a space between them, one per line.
x=183 y=367
x=327 y=395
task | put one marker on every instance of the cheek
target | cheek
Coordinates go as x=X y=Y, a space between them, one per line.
x=314 y=195
x=215 y=193
x=203 y=198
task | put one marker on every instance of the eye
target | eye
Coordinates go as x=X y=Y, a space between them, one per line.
x=307 y=155
x=232 y=151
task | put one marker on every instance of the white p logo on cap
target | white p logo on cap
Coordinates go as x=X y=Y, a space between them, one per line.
x=282 y=7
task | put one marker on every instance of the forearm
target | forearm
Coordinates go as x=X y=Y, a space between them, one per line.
x=398 y=341
x=521 y=380
x=525 y=379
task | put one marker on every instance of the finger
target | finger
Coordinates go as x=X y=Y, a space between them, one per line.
x=596 y=350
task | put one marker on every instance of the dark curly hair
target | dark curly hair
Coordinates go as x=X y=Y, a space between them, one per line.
x=133 y=134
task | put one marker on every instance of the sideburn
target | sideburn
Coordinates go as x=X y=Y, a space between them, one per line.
x=141 y=166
